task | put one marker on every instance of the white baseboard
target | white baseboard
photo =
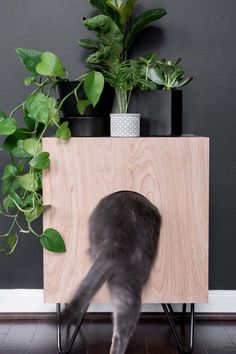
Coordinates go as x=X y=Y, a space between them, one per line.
x=31 y=300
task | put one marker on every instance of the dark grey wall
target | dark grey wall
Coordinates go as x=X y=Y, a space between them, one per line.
x=202 y=33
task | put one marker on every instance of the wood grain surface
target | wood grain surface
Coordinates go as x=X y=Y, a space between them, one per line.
x=172 y=172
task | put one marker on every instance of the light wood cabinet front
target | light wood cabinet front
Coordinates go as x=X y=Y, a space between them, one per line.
x=172 y=172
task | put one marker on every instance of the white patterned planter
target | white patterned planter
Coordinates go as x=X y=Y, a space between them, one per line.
x=125 y=124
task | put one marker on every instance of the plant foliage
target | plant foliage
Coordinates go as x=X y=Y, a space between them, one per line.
x=116 y=30
x=120 y=12
x=125 y=77
x=168 y=75
x=22 y=178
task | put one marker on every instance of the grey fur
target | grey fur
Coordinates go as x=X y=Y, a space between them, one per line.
x=124 y=231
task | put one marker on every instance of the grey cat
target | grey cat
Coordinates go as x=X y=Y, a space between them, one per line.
x=124 y=230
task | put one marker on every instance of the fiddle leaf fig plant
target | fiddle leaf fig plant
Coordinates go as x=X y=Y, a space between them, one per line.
x=116 y=31
x=123 y=8
x=109 y=44
x=120 y=12
x=139 y=23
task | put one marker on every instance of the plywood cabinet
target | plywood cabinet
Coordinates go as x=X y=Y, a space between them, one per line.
x=172 y=172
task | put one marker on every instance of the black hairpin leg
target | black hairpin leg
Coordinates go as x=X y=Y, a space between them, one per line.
x=174 y=316
x=172 y=319
x=76 y=330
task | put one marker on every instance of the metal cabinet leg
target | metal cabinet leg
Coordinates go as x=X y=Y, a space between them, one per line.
x=76 y=330
x=172 y=319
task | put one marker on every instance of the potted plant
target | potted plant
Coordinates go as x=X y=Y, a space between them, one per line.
x=22 y=175
x=161 y=107
x=116 y=30
x=124 y=78
x=71 y=108
x=83 y=96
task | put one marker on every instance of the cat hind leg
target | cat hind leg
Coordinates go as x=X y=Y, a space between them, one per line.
x=126 y=309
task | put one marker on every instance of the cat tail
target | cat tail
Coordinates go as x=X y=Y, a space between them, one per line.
x=97 y=275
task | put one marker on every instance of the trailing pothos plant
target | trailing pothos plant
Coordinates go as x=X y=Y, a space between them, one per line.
x=93 y=84
x=22 y=176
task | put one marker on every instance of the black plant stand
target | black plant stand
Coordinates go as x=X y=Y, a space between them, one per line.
x=170 y=314
x=173 y=320
x=74 y=335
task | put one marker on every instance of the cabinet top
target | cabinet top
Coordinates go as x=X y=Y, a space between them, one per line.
x=185 y=136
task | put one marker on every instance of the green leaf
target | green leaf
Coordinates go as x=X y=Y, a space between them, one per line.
x=185 y=82
x=149 y=59
x=2 y=115
x=20 y=166
x=177 y=61
x=11 y=141
x=156 y=76
x=31 y=146
x=29 y=58
x=52 y=241
x=30 y=80
x=110 y=38
x=19 y=151
x=123 y=8
x=52 y=102
x=15 y=184
x=8 y=177
x=29 y=121
x=82 y=105
x=7 y=126
x=7 y=184
x=101 y=56
x=16 y=197
x=40 y=161
x=93 y=86
x=39 y=179
x=140 y=22
x=28 y=201
x=9 y=171
x=54 y=115
x=106 y=10
x=63 y=132
x=89 y=44
x=37 y=106
x=114 y=4
x=50 y=65
x=33 y=215
x=28 y=182
x=126 y=10
x=8 y=244
x=8 y=203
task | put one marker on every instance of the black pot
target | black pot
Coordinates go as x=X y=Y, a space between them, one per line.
x=88 y=126
x=69 y=108
x=161 y=112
